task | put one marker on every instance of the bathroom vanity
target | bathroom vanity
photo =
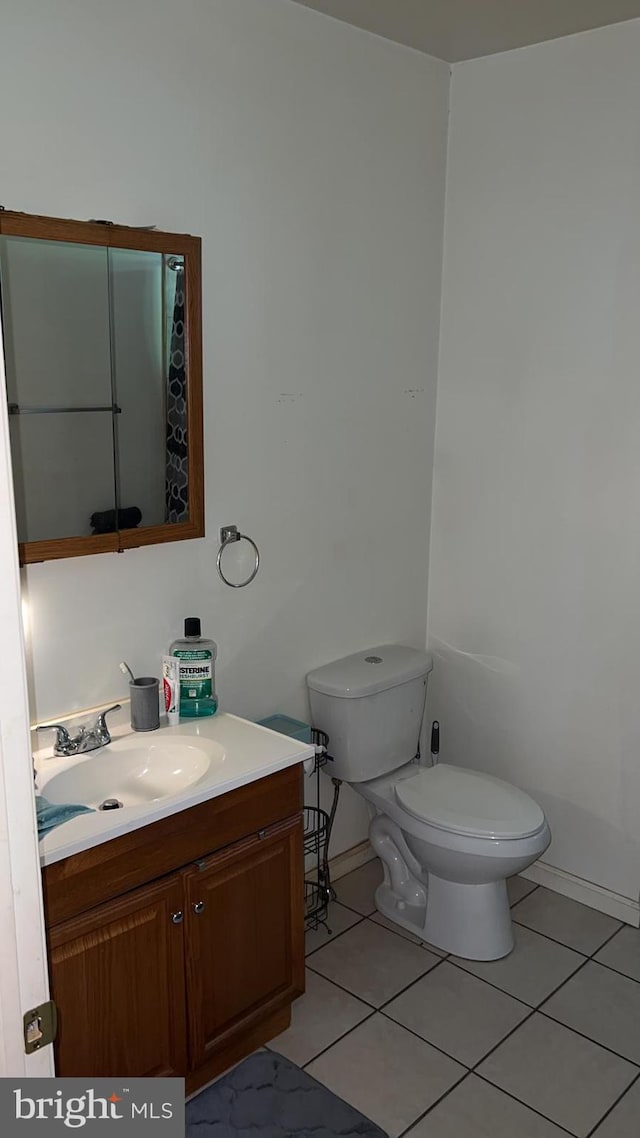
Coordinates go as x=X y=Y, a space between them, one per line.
x=177 y=946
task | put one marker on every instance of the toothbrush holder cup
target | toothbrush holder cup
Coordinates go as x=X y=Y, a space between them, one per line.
x=145 y=703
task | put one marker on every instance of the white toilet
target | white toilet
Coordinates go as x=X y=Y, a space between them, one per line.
x=448 y=837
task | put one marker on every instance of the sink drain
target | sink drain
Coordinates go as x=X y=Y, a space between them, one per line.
x=110 y=804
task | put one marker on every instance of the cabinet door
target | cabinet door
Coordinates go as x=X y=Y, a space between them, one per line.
x=245 y=937
x=117 y=977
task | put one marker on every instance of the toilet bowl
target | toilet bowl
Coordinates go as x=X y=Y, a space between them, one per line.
x=457 y=834
x=448 y=836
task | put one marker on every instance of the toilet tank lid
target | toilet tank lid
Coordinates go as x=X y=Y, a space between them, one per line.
x=373 y=670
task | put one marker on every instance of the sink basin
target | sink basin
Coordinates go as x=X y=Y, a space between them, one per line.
x=134 y=772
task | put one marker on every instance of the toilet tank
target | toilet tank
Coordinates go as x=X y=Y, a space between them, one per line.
x=371 y=706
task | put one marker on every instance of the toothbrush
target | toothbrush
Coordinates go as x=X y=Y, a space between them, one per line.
x=125 y=669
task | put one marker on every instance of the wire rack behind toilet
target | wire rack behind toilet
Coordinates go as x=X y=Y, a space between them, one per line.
x=318 y=824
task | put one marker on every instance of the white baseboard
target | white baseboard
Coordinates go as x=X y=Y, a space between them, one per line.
x=350 y=859
x=604 y=900
x=558 y=880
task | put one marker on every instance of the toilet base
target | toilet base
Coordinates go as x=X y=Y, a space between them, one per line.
x=471 y=921
x=410 y=917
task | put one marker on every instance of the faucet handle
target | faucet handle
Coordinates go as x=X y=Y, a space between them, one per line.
x=101 y=723
x=63 y=743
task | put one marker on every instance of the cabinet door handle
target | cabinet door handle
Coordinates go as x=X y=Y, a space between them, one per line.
x=198 y=907
x=177 y=917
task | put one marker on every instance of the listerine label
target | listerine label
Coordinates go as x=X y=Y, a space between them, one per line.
x=196 y=673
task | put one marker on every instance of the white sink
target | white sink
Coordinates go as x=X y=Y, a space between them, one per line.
x=135 y=771
x=156 y=775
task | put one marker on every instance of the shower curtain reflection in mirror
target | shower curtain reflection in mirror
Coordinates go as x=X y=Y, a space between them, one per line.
x=177 y=475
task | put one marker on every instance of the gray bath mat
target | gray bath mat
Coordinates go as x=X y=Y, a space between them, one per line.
x=267 y=1096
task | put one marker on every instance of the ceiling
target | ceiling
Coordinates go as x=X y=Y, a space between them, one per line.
x=465 y=29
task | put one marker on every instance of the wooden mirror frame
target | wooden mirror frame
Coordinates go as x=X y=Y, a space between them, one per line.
x=109 y=235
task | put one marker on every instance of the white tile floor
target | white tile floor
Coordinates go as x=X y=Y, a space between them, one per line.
x=542 y=1044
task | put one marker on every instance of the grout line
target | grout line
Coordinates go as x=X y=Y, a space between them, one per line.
x=557 y=988
x=521 y=1102
x=617 y=971
x=335 y=936
x=532 y=1011
x=412 y=1031
x=420 y=944
x=513 y=904
x=532 y=1007
x=386 y=1002
x=344 y=1035
x=373 y=1010
x=555 y=991
x=554 y=940
x=350 y=907
x=466 y=1074
x=404 y=934
x=381 y=1011
x=552 y=1019
x=614 y=1105
x=503 y=1040
x=342 y=988
x=377 y=1011
x=519 y=999
x=595 y=1042
x=439 y=952
x=352 y=910
x=402 y=991
x=609 y=938
x=434 y=1105
x=474 y=1071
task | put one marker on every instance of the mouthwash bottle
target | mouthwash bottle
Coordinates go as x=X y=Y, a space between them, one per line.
x=197 y=671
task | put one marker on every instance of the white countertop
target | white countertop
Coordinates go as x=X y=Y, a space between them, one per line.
x=249 y=752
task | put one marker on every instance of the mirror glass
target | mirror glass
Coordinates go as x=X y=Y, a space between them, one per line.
x=96 y=362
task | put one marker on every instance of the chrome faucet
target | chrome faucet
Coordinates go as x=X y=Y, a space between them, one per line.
x=87 y=739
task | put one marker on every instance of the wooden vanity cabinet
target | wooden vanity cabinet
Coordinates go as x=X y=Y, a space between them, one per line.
x=117 y=975
x=242 y=941
x=187 y=973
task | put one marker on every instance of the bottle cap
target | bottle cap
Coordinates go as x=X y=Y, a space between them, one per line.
x=192 y=626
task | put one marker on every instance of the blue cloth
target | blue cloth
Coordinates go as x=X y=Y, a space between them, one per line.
x=50 y=815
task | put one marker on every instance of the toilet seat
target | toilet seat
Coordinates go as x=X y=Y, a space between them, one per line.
x=463 y=801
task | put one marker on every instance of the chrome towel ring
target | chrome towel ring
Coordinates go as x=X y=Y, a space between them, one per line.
x=228 y=536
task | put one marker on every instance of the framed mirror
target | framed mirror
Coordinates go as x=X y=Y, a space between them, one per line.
x=103 y=353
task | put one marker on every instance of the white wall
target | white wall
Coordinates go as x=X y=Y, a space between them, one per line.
x=310 y=158
x=535 y=563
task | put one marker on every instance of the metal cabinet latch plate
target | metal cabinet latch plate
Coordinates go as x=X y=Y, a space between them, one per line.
x=40 y=1026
